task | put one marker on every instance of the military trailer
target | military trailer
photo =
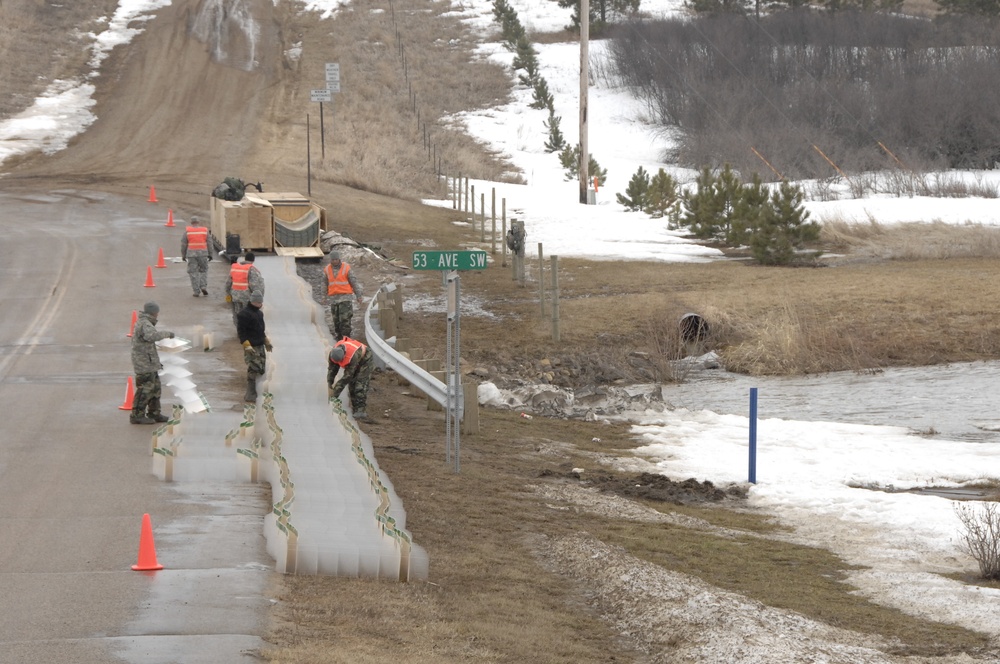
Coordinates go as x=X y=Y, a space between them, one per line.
x=285 y=223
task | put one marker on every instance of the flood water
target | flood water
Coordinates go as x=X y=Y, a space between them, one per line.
x=952 y=401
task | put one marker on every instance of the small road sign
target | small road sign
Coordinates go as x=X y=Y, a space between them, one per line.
x=320 y=95
x=333 y=86
x=449 y=260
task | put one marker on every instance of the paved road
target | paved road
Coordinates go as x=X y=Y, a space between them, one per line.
x=75 y=476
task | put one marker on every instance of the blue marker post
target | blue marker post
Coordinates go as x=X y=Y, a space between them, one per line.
x=753 y=436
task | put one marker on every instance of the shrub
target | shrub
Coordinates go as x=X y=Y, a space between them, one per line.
x=871 y=90
x=981 y=538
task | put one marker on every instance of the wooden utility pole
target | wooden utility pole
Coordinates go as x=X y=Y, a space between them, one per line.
x=584 y=84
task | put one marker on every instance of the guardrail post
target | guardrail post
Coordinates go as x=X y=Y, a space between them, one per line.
x=470 y=416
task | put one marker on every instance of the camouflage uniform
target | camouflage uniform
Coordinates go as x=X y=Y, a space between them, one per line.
x=146 y=364
x=342 y=305
x=357 y=376
x=240 y=298
x=197 y=260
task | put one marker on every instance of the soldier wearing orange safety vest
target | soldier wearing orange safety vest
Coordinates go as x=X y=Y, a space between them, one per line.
x=342 y=288
x=244 y=278
x=194 y=250
x=356 y=359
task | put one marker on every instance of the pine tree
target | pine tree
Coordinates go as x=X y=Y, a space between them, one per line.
x=727 y=189
x=510 y=26
x=637 y=193
x=526 y=58
x=594 y=170
x=542 y=96
x=569 y=158
x=556 y=141
x=702 y=209
x=753 y=199
x=784 y=227
x=662 y=197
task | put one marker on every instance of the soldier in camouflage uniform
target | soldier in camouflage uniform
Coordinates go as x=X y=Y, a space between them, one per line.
x=196 y=245
x=146 y=364
x=244 y=278
x=256 y=345
x=342 y=287
x=357 y=361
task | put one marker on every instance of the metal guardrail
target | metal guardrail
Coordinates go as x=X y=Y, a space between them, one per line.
x=395 y=360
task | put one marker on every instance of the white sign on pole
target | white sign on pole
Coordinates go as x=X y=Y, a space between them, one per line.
x=320 y=95
x=333 y=86
x=333 y=71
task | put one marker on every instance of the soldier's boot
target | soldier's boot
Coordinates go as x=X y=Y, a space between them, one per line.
x=251 y=394
x=159 y=417
x=141 y=419
x=360 y=415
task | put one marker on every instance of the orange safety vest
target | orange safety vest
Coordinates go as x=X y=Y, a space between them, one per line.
x=240 y=275
x=351 y=346
x=338 y=283
x=197 y=238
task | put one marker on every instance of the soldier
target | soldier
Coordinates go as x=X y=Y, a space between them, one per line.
x=256 y=345
x=194 y=250
x=342 y=287
x=355 y=359
x=146 y=364
x=244 y=278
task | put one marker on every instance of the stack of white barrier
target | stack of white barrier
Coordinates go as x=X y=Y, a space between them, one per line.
x=334 y=511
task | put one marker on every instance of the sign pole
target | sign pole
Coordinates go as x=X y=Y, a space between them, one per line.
x=309 y=175
x=322 y=134
x=449 y=263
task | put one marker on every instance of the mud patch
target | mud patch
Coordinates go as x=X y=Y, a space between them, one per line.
x=649 y=486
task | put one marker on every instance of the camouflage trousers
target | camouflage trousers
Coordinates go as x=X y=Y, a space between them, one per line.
x=198 y=271
x=256 y=361
x=147 y=395
x=240 y=300
x=357 y=381
x=343 y=312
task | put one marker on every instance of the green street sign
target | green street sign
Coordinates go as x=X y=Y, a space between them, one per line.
x=449 y=260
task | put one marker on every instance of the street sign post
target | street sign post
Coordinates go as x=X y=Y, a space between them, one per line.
x=450 y=260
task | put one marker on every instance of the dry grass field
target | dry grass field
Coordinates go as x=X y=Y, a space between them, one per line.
x=499 y=590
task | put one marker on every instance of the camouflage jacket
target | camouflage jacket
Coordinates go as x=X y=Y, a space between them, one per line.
x=145 y=358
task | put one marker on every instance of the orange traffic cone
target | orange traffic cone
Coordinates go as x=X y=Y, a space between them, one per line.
x=131 y=327
x=159 y=259
x=149 y=278
x=147 y=551
x=170 y=218
x=129 y=395
x=152 y=194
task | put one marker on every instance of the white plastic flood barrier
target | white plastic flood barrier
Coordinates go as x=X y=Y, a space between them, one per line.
x=334 y=511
